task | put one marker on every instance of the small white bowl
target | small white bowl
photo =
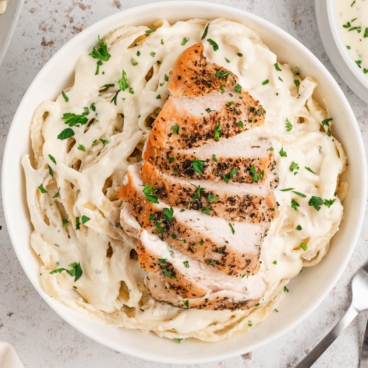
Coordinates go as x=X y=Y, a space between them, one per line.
x=8 y=23
x=307 y=290
x=336 y=49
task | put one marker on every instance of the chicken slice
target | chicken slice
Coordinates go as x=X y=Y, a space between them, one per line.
x=233 y=201
x=232 y=248
x=189 y=278
x=219 y=300
x=219 y=109
x=238 y=159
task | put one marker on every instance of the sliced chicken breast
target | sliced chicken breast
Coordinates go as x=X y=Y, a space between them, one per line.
x=189 y=278
x=215 y=301
x=238 y=160
x=231 y=247
x=232 y=201
x=219 y=110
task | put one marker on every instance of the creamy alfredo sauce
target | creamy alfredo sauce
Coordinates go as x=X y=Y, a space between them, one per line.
x=352 y=18
x=73 y=183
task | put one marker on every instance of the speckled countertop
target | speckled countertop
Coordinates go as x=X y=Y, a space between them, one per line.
x=40 y=336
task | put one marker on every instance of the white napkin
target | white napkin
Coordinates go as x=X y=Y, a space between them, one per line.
x=8 y=356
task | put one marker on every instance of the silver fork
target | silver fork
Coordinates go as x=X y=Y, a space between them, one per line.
x=358 y=304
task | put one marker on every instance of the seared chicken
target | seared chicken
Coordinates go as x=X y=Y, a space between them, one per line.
x=201 y=202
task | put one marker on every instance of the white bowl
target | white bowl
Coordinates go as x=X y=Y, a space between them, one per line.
x=307 y=290
x=336 y=49
x=8 y=22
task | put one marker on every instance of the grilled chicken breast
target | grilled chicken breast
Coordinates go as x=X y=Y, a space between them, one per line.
x=201 y=201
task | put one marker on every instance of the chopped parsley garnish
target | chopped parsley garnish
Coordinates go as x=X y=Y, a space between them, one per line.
x=329 y=202
x=259 y=112
x=74 y=120
x=288 y=125
x=138 y=53
x=205 y=32
x=197 y=193
x=148 y=191
x=231 y=175
x=222 y=74
x=159 y=227
x=104 y=141
x=148 y=31
x=198 y=166
x=208 y=110
x=100 y=53
x=168 y=274
x=294 y=205
x=293 y=166
x=212 y=262
x=158 y=97
x=178 y=340
x=217 y=132
x=185 y=40
x=240 y=124
x=240 y=54
x=42 y=189
x=222 y=90
x=207 y=210
x=276 y=65
x=123 y=85
x=213 y=43
x=250 y=324
x=152 y=217
x=326 y=122
x=298 y=228
x=227 y=60
x=173 y=235
x=238 y=88
x=94 y=143
x=287 y=190
x=65 y=222
x=66 y=98
x=85 y=219
x=162 y=260
x=303 y=246
x=265 y=82
x=168 y=213
x=281 y=79
x=366 y=33
x=186 y=304
x=52 y=159
x=286 y=290
x=274 y=262
x=297 y=82
x=214 y=158
x=175 y=129
x=316 y=202
x=255 y=175
x=75 y=272
x=232 y=228
x=107 y=86
x=57 y=194
x=134 y=62
x=77 y=223
x=166 y=78
x=309 y=169
x=162 y=42
x=51 y=172
x=81 y=148
x=212 y=198
x=299 y=194
x=282 y=152
x=171 y=159
x=93 y=107
x=65 y=134
x=186 y=264
x=201 y=242
x=153 y=54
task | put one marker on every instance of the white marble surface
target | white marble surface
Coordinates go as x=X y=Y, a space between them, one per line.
x=41 y=338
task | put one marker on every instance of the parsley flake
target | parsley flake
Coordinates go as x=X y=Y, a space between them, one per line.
x=213 y=43
x=198 y=166
x=149 y=191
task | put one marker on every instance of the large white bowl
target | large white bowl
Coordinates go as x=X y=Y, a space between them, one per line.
x=335 y=46
x=308 y=289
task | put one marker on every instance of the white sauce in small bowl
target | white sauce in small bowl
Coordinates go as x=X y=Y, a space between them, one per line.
x=352 y=20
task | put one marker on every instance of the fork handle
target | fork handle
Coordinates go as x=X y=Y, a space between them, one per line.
x=313 y=355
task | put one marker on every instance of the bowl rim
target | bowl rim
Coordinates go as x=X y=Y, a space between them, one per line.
x=7 y=204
